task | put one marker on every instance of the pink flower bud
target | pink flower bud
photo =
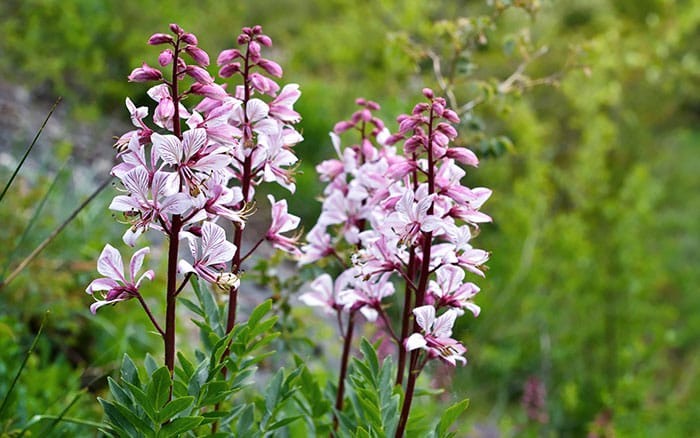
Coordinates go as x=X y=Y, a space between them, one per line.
x=393 y=139
x=438 y=109
x=199 y=74
x=450 y=116
x=199 y=55
x=160 y=38
x=145 y=74
x=254 y=49
x=378 y=123
x=176 y=29
x=271 y=67
x=242 y=39
x=463 y=155
x=165 y=57
x=420 y=108
x=189 y=38
x=374 y=106
x=427 y=92
x=229 y=70
x=360 y=101
x=263 y=85
x=366 y=115
x=257 y=29
x=264 y=40
x=341 y=127
x=246 y=30
x=227 y=56
x=447 y=129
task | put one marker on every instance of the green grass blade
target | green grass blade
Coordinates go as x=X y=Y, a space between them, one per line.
x=5 y=281
x=24 y=363
x=32 y=220
x=29 y=149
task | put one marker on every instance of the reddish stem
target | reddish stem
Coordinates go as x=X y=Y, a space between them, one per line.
x=347 y=342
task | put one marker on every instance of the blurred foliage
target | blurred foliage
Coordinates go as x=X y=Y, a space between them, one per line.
x=592 y=153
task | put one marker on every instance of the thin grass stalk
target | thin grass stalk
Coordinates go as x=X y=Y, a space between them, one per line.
x=23 y=264
x=31 y=222
x=29 y=149
x=29 y=352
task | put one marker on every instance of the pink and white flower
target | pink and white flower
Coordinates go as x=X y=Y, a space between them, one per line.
x=436 y=336
x=115 y=287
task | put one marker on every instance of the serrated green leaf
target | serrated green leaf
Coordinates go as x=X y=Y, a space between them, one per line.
x=450 y=416
x=180 y=425
x=158 y=389
x=174 y=407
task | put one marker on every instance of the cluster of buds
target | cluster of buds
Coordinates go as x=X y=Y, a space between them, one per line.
x=194 y=170
x=391 y=214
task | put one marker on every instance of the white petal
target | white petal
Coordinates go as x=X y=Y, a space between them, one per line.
x=110 y=263
x=414 y=341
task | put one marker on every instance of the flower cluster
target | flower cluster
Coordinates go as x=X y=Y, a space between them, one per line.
x=194 y=170
x=401 y=214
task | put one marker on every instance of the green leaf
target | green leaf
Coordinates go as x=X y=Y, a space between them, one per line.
x=158 y=388
x=151 y=364
x=126 y=423
x=192 y=307
x=273 y=390
x=449 y=417
x=129 y=372
x=144 y=401
x=213 y=392
x=283 y=422
x=121 y=395
x=370 y=356
x=174 y=407
x=245 y=422
x=260 y=311
x=180 y=425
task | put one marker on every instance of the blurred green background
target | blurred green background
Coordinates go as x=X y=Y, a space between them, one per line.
x=595 y=173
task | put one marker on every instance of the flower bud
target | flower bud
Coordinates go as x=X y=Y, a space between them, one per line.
x=427 y=92
x=271 y=67
x=450 y=116
x=160 y=38
x=199 y=55
x=374 y=106
x=176 y=29
x=360 y=101
x=199 y=74
x=145 y=74
x=343 y=126
x=227 y=56
x=242 y=39
x=189 y=38
x=254 y=49
x=165 y=57
x=263 y=85
x=229 y=70
x=257 y=29
x=264 y=40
